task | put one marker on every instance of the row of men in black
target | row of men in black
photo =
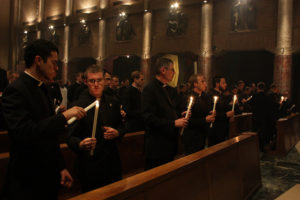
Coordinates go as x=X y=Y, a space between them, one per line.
x=36 y=166
x=33 y=127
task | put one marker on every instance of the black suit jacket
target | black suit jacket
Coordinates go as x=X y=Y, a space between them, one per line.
x=132 y=105
x=159 y=113
x=35 y=157
x=105 y=166
x=3 y=80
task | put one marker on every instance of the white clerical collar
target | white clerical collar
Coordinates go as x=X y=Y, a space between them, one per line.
x=40 y=82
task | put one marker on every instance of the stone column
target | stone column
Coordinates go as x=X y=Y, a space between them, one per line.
x=15 y=32
x=146 y=57
x=283 y=57
x=206 y=42
x=40 y=16
x=101 y=34
x=66 y=44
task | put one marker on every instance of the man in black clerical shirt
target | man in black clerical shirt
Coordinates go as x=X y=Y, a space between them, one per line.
x=72 y=94
x=194 y=135
x=104 y=167
x=219 y=131
x=132 y=103
x=36 y=168
x=159 y=112
x=264 y=116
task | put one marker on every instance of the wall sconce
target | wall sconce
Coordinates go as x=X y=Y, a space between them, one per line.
x=84 y=33
x=205 y=1
x=52 y=35
x=174 y=5
x=123 y=14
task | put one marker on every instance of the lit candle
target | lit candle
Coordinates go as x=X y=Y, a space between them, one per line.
x=214 y=108
x=281 y=99
x=95 y=123
x=234 y=100
x=73 y=119
x=187 y=112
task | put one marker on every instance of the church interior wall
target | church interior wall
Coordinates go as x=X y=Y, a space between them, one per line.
x=4 y=34
x=125 y=47
x=296 y=26
x=88 y=49
x=190 y=41
x=262 y=37
x=54 y=7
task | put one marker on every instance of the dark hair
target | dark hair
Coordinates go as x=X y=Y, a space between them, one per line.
x=92 y=69
x=106 y=72
x=162 y=62
x=240 y=82
x=135 y=75
x=114 y=76
x=42 y=48
x=217 y=79
x=193 y=79
x=273 y=86
x=261 y=85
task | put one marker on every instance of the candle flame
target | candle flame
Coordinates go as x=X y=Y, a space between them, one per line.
x=234 y=97
x=97 y=103
x=191 y=99
x=216 y=98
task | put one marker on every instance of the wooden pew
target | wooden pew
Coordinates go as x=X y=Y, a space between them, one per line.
x=229 y=170
x=288 y=134
x=240 y=124
x=69 y=157
x=4 y=144
x=131 y=149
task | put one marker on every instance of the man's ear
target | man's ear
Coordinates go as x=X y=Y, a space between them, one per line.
x=37 y=60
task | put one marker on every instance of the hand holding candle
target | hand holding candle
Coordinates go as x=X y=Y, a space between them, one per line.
x=95 y=123
x=73 y=119
x=187 y=112
x=214 y=108
x=234 y=101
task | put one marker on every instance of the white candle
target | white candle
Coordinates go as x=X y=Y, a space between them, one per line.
x=281 y=99
x=73 y=119
x=95 y=123
x=214 y=108
x=187 y=112
x=195 y=67
x=234 y=100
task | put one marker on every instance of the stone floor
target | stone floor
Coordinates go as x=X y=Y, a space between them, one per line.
x=278 y=174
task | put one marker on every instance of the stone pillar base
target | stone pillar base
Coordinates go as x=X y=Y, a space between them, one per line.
x=205 y=69
x=283 y=72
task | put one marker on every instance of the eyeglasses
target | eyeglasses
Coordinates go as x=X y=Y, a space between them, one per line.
x=93 y=81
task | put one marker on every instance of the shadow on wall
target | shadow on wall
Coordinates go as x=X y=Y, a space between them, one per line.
x=186 y=62
x=122 y=66
x=79 y=65
x=250 y=66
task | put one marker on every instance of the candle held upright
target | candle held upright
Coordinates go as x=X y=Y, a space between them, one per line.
x=214 y=108
x=95 y=123
x=187 y=112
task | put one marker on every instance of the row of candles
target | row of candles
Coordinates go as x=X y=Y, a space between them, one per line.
x=96 y=103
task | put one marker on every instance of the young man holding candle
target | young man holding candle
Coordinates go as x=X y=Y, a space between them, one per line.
x=36 y=168
x=195 y=134
x=219 y=131
x=161 y=119
x=104 y=166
